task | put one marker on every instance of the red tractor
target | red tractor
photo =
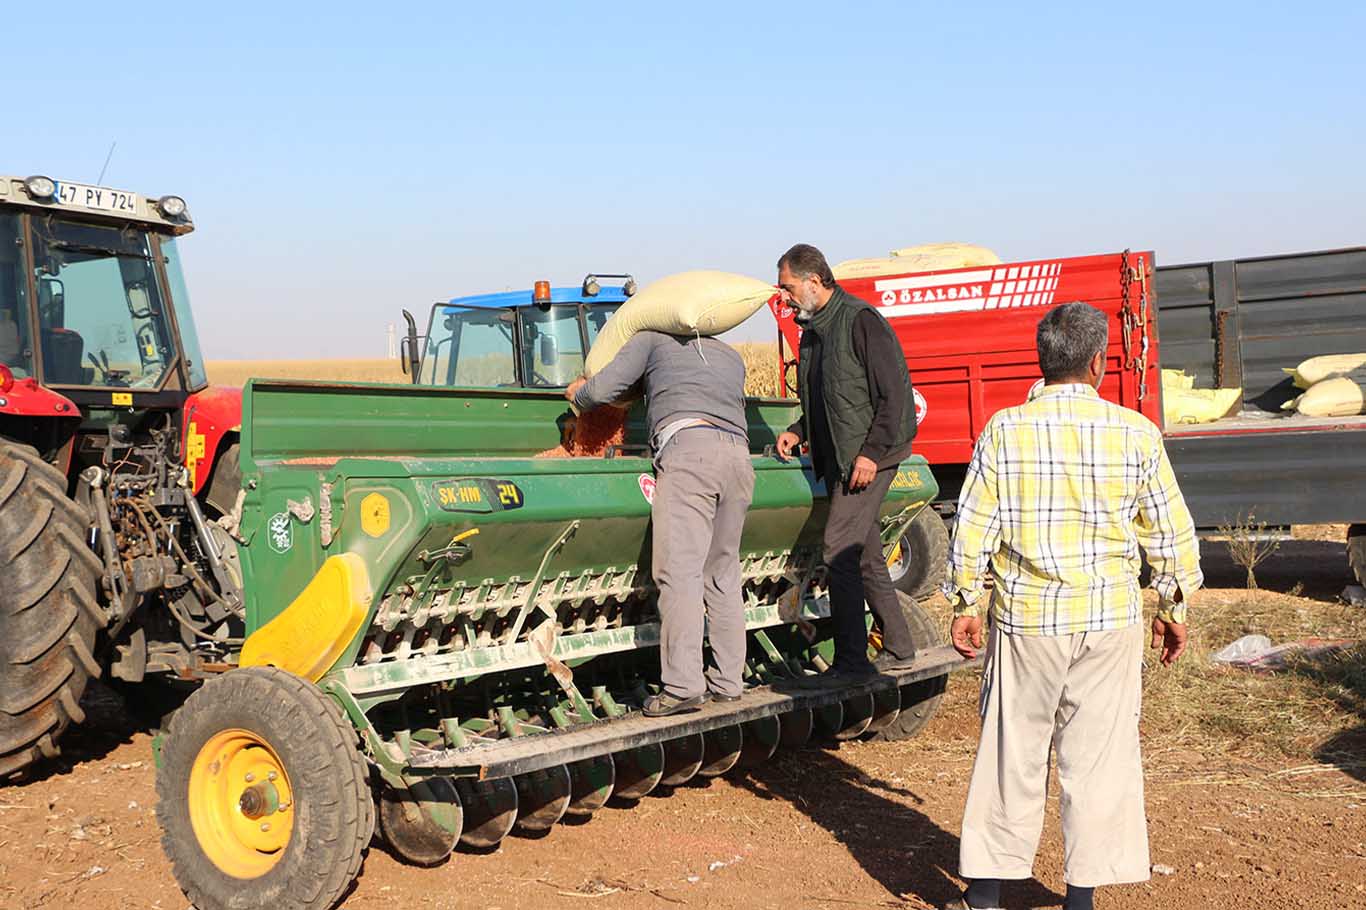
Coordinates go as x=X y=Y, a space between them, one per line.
x=118 y=462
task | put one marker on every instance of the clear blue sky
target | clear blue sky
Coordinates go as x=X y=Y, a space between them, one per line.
x=344 y=162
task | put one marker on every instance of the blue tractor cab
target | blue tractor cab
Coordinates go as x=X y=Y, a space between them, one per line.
x=533 y=339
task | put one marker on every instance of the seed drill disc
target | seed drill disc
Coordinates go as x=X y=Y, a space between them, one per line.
x=795 y=728
x=682 y=758
x=422 y=822
x=542 y=798
x=721 y=750
x=638 y=771
x=886 y=706
x=591 y=781
x=761 y=737
x=858 y=714
x=490 y=810
x=829 y=719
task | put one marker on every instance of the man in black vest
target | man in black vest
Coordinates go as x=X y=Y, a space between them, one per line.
x=858 y=417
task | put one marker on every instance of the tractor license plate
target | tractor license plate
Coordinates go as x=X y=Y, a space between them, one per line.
x=98 y=197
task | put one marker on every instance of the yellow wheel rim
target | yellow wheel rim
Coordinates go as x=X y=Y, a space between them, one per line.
x=894 y=554
x=241 y=803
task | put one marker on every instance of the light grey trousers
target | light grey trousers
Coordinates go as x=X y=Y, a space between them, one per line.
x=1080 y=695
x=704 y=484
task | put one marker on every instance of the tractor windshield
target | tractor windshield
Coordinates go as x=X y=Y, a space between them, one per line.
x=101 y=318
x=16 y=346
x=470 y=346
x=552 y=345
x=556 y=340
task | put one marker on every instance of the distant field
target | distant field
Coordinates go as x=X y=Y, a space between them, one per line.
x=761 y=365
x=237 y=372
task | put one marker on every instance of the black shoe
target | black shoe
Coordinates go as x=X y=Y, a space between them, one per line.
x=664 y=704
x=887 y=662
x=837 y=677
x=719 y=698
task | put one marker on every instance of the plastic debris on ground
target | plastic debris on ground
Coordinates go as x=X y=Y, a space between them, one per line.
x=1256 y=652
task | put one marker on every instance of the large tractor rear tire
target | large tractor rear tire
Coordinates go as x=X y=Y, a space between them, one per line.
x=1356 y=551
x=919 y=700
x=49 y=614
x=262 y=794
x=916 y=562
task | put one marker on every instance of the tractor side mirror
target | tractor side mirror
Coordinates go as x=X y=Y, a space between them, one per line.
x=410 y=358
x=51 y=302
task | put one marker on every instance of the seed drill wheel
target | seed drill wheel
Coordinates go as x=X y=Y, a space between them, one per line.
x=919 y=700
x=916 y=561
x=542 y=798
x=262 y=795
x=829 y=719
x=421 y=822
x=49 y=615
x=721 y=750
x=682 y=759
x=795 y=728
x=591 y=781
x=886 y=706
x=760 y=742
x=638 y=771
x=490 y=810
x=858 y=714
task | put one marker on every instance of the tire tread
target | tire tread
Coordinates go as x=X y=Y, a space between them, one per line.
x=300 y=721
x=49 y=615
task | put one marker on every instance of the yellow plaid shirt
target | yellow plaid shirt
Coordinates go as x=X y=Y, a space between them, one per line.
x=1060 y=494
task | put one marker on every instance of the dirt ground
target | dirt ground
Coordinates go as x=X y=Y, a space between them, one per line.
x=1259 y=811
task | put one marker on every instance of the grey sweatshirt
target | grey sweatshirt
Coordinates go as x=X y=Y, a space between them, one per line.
x=685 y=377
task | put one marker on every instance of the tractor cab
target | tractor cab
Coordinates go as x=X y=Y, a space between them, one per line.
x=92 y=299
x=533 y=339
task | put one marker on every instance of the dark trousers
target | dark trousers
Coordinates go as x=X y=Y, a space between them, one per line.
x=858 y=573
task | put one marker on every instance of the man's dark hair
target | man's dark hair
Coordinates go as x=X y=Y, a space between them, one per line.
x=1068 y=337
x=803 y=260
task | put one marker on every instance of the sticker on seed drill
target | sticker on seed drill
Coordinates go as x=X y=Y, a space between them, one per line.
x=280 y=532
x=477 y=495
x=509 y=496
x=647 y=487
x=906 y=480
x=922 y=407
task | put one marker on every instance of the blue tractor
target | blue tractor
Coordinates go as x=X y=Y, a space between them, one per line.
x=514 y=339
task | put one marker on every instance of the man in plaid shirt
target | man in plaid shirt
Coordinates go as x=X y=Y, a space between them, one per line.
x=1061 y=494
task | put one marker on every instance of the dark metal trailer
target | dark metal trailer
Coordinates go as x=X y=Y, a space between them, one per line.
x=1241 y=323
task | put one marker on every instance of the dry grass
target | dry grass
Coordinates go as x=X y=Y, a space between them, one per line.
x=761 y=366
x=1309 y=710
x=1198 y=715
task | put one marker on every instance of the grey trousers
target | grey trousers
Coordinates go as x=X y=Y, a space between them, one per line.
x=1078 y=694
x=705 y=481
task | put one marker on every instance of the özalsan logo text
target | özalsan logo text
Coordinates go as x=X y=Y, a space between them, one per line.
x=1002 y=287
